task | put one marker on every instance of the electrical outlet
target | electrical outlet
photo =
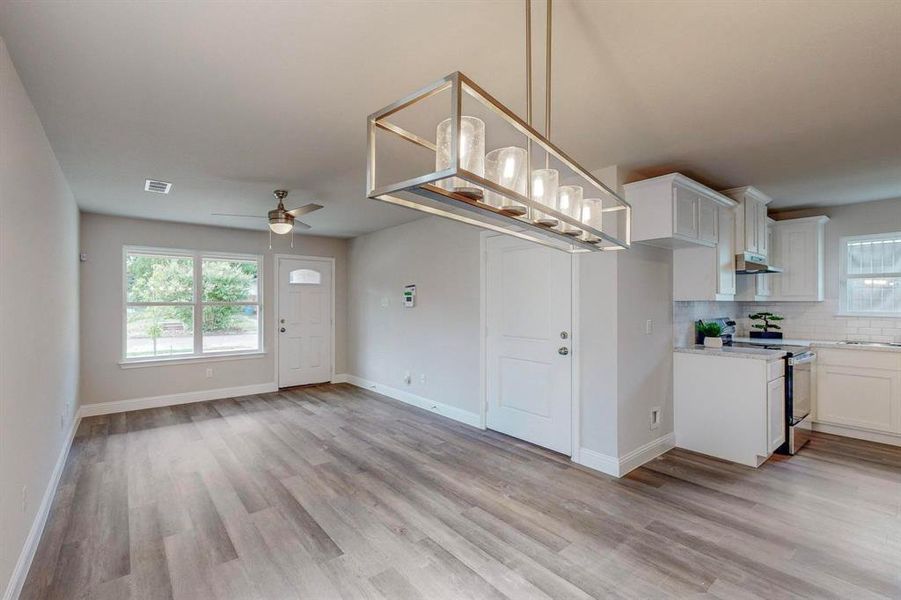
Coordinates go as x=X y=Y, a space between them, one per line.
x=422 y=378
x=24 y=498
x=648 y=327
x=655 y=417
x=385 y=302
x=408 y=379
x=209 y=373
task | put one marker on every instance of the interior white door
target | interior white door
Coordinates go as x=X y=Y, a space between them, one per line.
x=529 y=323
x=304 y=321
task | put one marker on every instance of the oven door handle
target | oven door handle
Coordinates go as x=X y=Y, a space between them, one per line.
x=800 y=359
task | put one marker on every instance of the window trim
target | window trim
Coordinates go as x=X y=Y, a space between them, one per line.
x=197 y=303
x=844 y=276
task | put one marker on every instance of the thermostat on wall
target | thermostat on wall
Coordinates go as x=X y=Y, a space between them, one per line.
x=409 y=296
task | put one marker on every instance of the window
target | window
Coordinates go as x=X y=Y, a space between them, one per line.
x=167 y=292
x=871 y=275
x=307 y=276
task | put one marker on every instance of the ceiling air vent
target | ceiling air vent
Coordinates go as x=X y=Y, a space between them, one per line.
x=160 y=187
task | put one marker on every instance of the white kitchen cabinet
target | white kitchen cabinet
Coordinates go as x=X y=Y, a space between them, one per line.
x=798 y=248
x=702 y=273
x=758 y=288
x=746 y=423
x=751 y=220
x=725 y=250
x=673 y=211
x=708 y=219
x=859 y=389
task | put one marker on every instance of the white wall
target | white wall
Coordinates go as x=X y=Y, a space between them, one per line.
x=38 y=314
x=104 y=380
x=813 y=320
x=439 y=338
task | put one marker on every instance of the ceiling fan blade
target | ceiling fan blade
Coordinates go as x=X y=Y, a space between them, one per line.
x=302 y=210
x=234 y=215
x=301 y=224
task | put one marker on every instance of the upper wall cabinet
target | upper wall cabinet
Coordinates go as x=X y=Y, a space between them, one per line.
x=751 y=220
x=798 y=247
x=674 y=211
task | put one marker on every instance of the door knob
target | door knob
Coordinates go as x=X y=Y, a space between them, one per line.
x=281 y=320
x=563 y=350
x=282 y=329
x=563 y=335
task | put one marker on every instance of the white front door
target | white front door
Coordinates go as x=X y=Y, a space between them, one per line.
x=529 y=319
x=304 y=321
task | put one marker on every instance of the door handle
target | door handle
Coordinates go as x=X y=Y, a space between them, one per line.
x=282 y=329
x=563 y=350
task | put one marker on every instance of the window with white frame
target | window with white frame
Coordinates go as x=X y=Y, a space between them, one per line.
x=169 y=292
x=871 y=274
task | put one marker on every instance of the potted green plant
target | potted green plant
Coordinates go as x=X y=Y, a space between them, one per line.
x=766 y=326
x=712 y=333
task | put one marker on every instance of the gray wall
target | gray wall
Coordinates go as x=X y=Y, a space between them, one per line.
x=645 y=373
x=623 y=371
x=103 y=380
x=440 y=337
x=39 y=316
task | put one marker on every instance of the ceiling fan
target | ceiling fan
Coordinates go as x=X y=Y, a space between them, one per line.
x=281 y=220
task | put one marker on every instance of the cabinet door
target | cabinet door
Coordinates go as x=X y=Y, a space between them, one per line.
x=859 y=397
x=750 y=211
x=725 y=250
x=798 y=250
x=762 y=241
x=685 y=213
x=764 y=282
x=775 y=395
x=707 y=220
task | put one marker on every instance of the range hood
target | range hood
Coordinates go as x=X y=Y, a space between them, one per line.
x=748 y=263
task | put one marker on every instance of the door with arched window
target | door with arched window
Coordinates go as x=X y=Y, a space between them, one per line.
x=305 y=321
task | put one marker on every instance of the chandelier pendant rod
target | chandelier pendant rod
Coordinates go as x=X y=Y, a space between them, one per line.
x=529 y=99
x=547 y=84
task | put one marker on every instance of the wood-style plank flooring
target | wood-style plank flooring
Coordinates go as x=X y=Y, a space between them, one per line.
x=335 y=492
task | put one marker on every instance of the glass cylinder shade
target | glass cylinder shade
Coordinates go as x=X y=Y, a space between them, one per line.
x=591 y=214
x=545 y=183
x=472 y=151
x=569 y=202
x=509 y=168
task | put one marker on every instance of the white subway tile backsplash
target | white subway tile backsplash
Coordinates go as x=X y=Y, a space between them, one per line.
x=803 y=320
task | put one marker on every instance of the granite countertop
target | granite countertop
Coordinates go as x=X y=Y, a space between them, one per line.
x=755 y=353
x=822 y=344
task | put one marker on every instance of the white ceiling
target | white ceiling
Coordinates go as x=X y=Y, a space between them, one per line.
x=230 y=100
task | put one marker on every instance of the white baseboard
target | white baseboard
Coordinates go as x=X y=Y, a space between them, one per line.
x=17 y=580
x=106 y=408
x=604 y=463
x=452 y=412
x=618 y=467
x=650 y=451
x=340 y=378
x=860 y=434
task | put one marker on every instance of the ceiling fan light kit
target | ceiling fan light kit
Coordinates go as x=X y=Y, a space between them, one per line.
x=560 y=205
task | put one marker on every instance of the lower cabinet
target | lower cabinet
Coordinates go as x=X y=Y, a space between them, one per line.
x=727 y=406
x=859 y=389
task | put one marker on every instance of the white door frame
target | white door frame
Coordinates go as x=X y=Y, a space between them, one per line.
x=330 y=261
x=575 y=343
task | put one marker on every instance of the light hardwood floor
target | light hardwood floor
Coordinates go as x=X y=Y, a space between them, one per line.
x=335 y=492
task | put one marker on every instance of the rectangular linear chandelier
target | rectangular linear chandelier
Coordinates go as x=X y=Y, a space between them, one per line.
x=560 y=205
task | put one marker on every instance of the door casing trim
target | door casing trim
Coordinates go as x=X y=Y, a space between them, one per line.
x=330 y=261
x=575 y=345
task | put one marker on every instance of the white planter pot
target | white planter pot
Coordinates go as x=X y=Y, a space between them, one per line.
x=713 y=342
